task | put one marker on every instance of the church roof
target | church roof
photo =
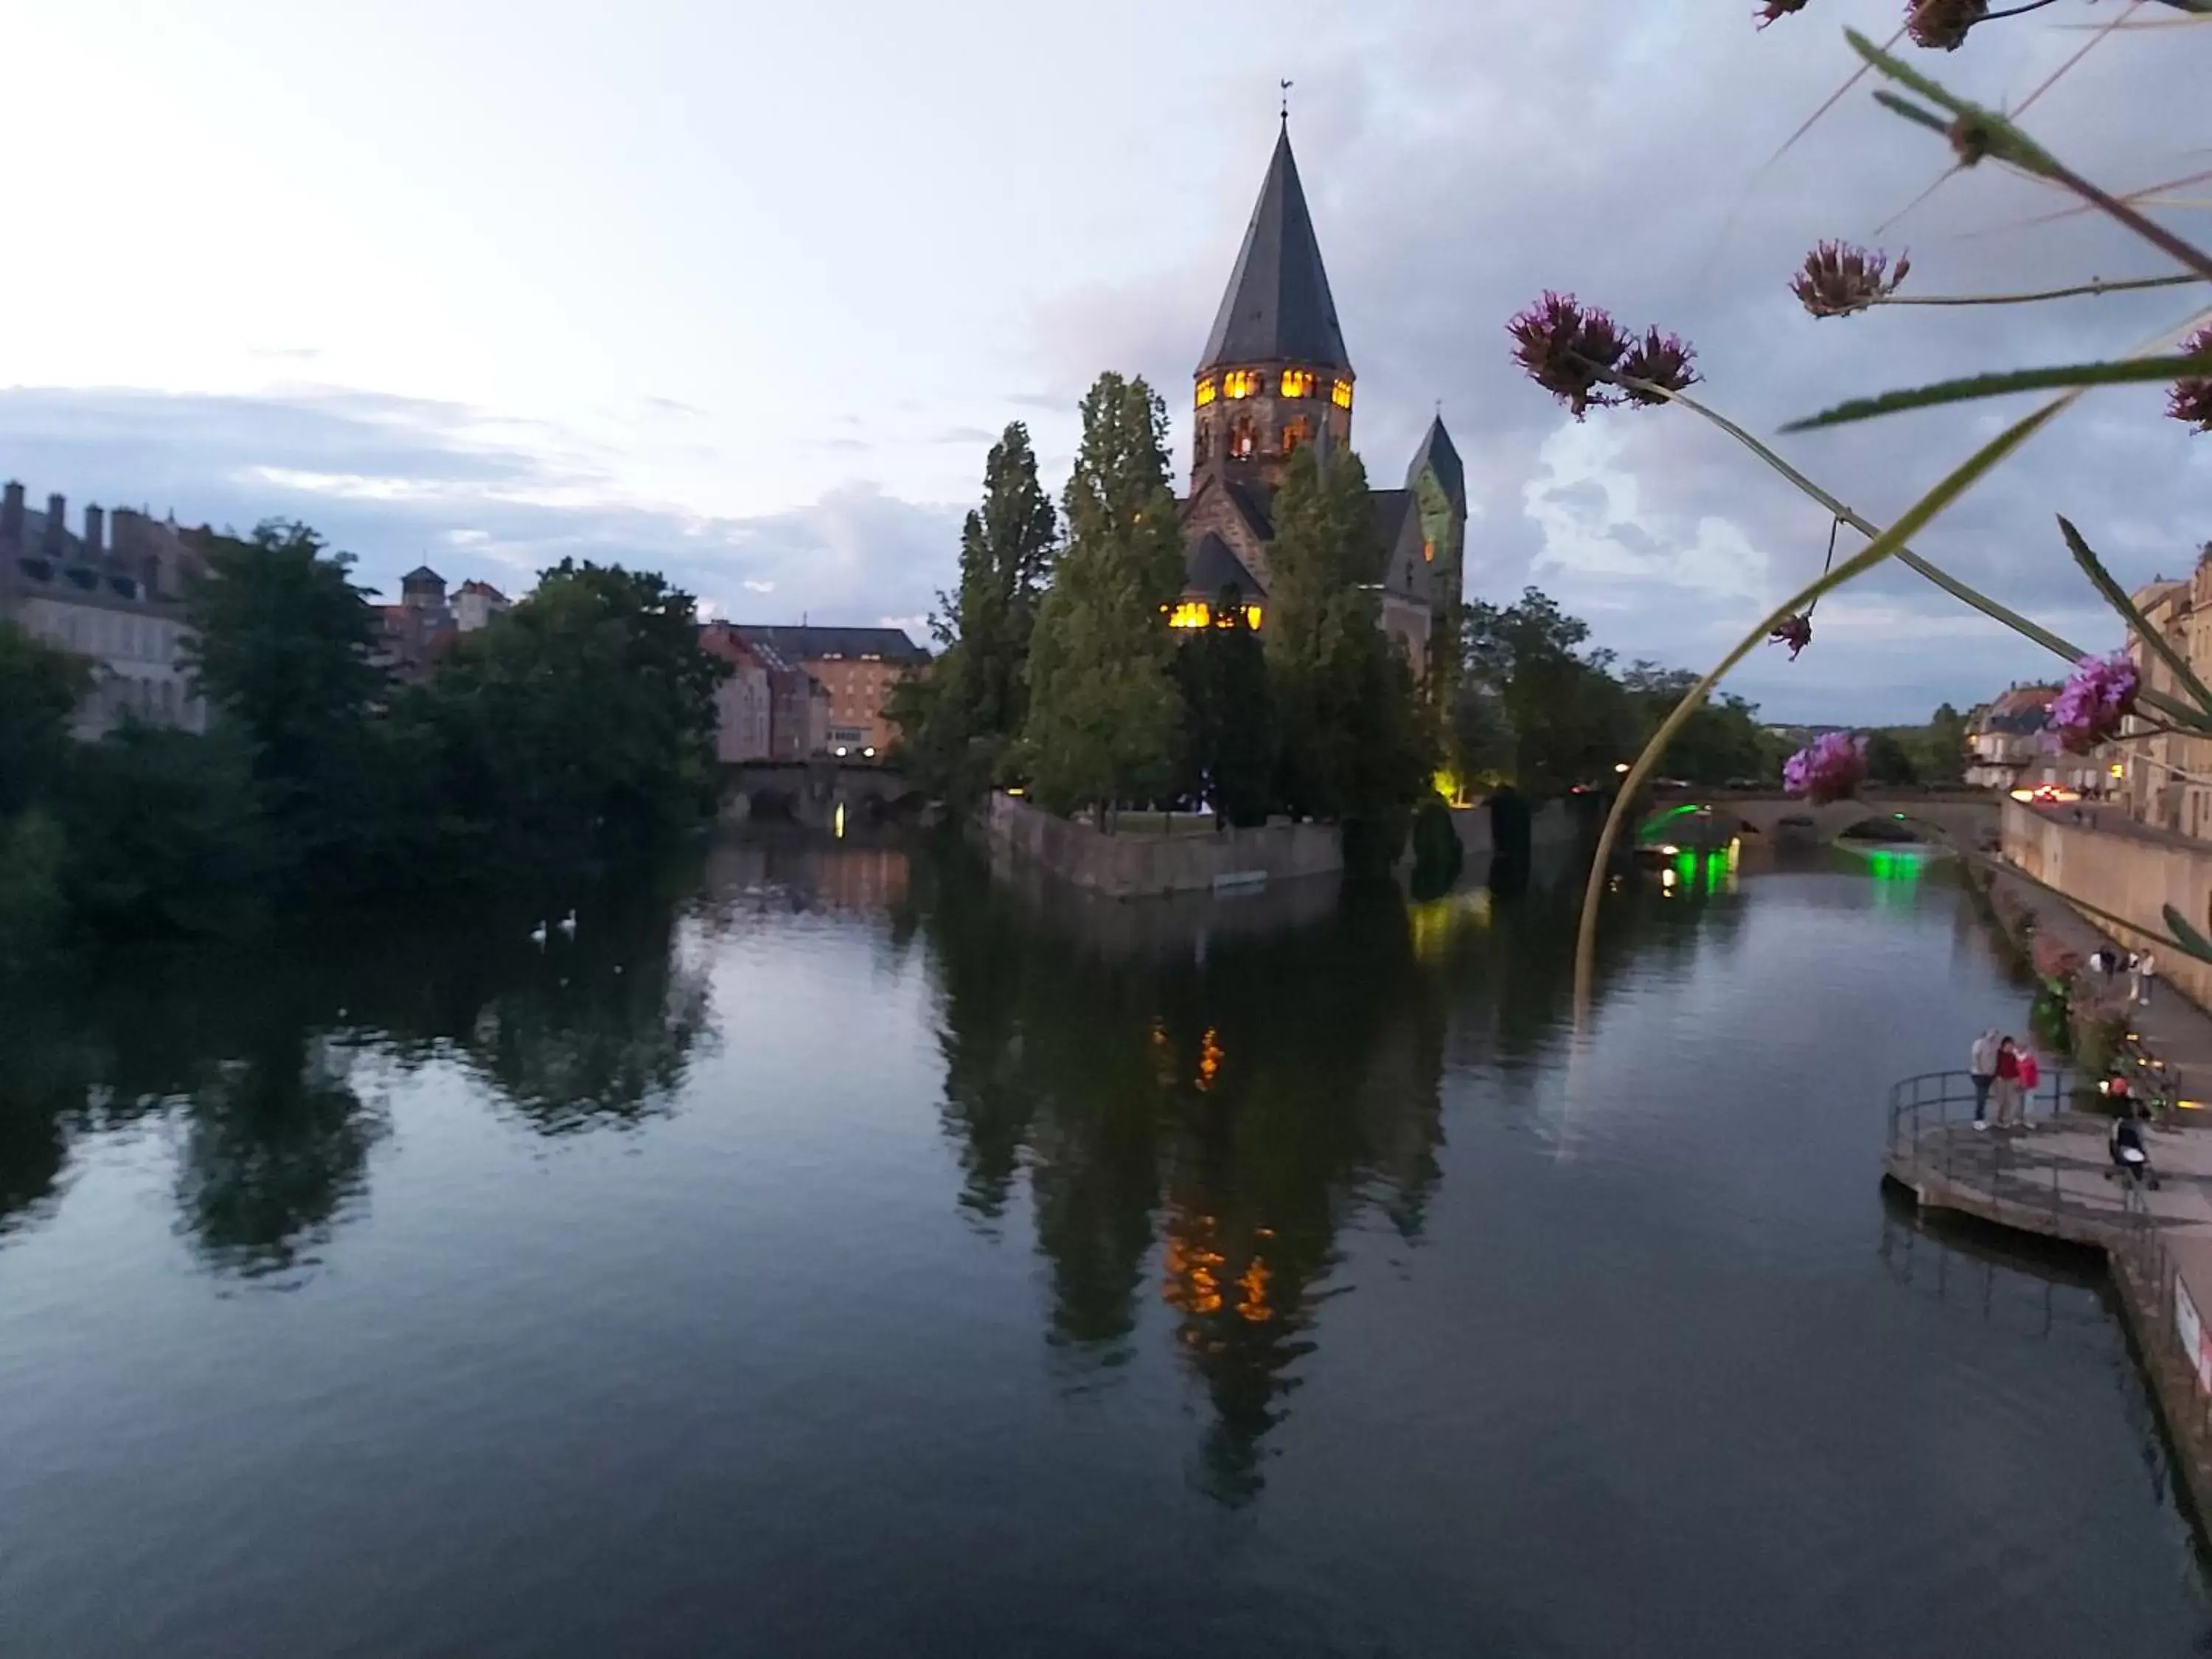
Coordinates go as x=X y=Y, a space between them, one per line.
x=1278 y=307
x=1389 y=507
x=1212 y=567
x=1437 y=454
x=807 y=643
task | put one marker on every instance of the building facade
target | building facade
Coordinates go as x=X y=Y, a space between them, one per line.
x=475 y=604
x=744 y=702
x=856 y=667
x=2166 y=779
x=114 y=595
x=1274 y=377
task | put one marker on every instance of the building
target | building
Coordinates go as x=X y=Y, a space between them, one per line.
x=743 y=703
x=419 y=630
x=1276 y=376
x=2011 y=749
x=2166 y=779
x=114 y=595
x=475 y=604
x=857 y=667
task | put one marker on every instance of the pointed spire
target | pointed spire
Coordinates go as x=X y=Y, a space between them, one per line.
x=1438 y=455
x=1277 y=308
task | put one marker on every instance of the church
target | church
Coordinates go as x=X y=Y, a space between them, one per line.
x=1275 y=375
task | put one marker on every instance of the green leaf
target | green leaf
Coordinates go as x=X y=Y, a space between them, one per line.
x=2122 y=372
x=1912 y=111
x=2007 y=142
x=2116 y=596
x=2185 y=936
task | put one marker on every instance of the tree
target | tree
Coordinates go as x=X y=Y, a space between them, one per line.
x=1227 y=757
x=40 y=686
x=1103 y=707
x=1944 y=755
x=1721 y=740
x=579 y=726
x=1567 y=719
x=1889 y=761
x=956 y=720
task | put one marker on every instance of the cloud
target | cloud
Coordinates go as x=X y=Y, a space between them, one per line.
x=390 y=479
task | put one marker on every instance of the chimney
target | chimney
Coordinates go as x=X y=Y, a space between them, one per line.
x=57 y=524
x=11 y=516
x=95 y=532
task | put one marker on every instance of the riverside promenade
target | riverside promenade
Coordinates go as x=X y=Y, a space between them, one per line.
x=2056 y=1179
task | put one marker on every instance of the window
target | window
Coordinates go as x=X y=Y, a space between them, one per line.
x=1340 y=394
x=1243 y=439
x=1252 y=617
x=1295 y=433
x=1240 y=383
x=1428 y=552
x=1298 y=383
x=1191 y=613
x=1206 y=392
x=1198 y=444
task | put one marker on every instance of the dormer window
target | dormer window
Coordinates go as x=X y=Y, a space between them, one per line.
x=1240 y=383
x=1298 y=382
x=1206 y=391
x=1340 y=394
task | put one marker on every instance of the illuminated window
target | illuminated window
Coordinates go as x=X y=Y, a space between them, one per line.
x=1191 y=613
x=1240 y=383
x=1295 y=433
x=1298 y=383
x=1340 y=394
x=1243 y=439
x=1252 y=617
x=1428 y=552
x=1206 y=392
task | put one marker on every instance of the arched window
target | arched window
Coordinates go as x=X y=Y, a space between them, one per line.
x=1206 y=392
x=1240 y=383
x=1298 y=383
x=1340 y=394
x=1243 y=439
x=1295 y=433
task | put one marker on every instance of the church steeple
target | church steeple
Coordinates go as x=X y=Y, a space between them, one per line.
x=1275 y=373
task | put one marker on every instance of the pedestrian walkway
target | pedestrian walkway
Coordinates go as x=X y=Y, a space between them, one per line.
x=2170 y=1026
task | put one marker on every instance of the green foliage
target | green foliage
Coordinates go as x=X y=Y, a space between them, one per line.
x=956 y=720
x=1721 y=742
x=32 y=908
x=1438 y=855
x=1228 y=753
x=39 y=687
x=1552 y=715
x=164 y=832
x=578 y=727
x=1103 y=711
x=1888 y=761
x=2128 y=371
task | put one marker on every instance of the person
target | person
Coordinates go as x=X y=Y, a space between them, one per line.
x=2129 y=1156
x=2030 y=1074
x=2006 y=1088
x=2146 y=971
x=2133 y=967
x=1982 y=1066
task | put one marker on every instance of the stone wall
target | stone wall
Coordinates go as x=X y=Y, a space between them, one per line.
x=1143 y=866
x=2127 y=876
x=1549 y=825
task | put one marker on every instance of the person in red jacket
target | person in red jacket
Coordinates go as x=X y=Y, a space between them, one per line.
x=2007 y=1084
x=2030 y=1075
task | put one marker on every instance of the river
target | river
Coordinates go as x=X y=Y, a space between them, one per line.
x=837 y=1255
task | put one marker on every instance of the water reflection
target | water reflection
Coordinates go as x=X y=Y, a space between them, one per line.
x=1206 y=1095
x=253 y=1054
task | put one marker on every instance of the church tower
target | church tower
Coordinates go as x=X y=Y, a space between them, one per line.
x=1274 y=374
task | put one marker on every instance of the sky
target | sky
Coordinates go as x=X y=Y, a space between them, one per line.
x=743 y=292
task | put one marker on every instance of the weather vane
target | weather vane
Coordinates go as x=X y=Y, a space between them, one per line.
x=1286 y=86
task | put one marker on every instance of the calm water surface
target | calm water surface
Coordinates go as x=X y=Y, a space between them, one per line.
x=844 y=1257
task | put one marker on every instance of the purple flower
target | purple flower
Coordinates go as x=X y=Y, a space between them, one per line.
x=1829 y=769
x=1794 y=631
x=1567 y=348
x=2191 y=401
x=1838 y=279
x=1662 y=360
x=1774 y=8
x=2098 y=694
x=1942 y=24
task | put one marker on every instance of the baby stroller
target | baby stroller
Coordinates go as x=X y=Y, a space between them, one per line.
x=2130 y=1158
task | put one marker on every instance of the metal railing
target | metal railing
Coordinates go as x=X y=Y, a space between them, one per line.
x=2141 y=1256
x=1933 y=1100
x=1927 y=1111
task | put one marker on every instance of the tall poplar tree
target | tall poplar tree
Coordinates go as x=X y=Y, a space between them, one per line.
x=1103 y=708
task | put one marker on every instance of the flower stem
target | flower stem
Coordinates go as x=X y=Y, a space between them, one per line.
x=2152 y=231
x=2096 y=285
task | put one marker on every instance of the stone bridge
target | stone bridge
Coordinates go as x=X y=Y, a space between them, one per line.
x=811 y=792
x=1714 y=816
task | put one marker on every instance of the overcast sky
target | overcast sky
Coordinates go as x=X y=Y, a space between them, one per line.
x=744 y=291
